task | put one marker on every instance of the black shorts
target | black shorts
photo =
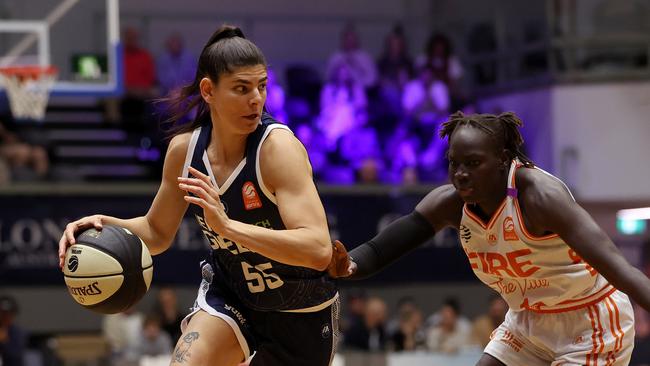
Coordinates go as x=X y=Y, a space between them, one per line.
x=276 y=338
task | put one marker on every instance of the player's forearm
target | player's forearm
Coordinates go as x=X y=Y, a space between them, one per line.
x=396 y=240
x=635 y=284
x=144 y=229
x=304 y=247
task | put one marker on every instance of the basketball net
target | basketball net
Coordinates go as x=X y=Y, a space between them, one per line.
x=28 y=89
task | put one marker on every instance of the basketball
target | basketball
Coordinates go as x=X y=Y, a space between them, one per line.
x=108 y=270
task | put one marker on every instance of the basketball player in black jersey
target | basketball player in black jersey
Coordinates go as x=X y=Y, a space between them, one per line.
x=248 y=182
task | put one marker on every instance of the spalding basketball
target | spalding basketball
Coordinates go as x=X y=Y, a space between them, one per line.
x=108 y=270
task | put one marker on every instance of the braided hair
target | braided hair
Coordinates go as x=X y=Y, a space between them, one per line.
x=503 y=127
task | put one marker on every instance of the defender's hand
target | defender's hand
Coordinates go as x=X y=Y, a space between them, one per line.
x=341 y=265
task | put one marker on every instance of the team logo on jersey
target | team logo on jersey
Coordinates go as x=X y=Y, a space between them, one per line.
x=465 y=233
x=509 y=229
x=492 y=238
x=325 y=331
x=251 y=198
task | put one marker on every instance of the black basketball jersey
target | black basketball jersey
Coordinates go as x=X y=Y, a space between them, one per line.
x=258 y=282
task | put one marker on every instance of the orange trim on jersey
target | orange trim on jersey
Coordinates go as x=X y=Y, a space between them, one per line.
x=618 y=322
x=576 y=307
x=522 y=225
x=520 y=216
x=612 y=354
x=571 y=301
x=493 y=219
x=593 y=338
x=600 y=331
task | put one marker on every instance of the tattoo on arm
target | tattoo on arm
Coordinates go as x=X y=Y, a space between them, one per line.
x=182 y=351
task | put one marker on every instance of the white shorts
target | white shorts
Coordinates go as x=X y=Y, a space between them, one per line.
x=601 y=334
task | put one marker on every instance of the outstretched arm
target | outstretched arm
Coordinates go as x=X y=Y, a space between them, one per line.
x=440 y=208
x=553 y=209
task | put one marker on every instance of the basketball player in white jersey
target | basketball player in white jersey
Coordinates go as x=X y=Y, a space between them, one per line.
x=525 y=237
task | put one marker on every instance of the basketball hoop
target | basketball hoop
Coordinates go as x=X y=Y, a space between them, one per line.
x=28 y=89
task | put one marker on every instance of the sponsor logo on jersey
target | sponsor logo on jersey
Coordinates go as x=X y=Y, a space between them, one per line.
x=236 y=313
x=251 y=198
x=465 y=233
x=509 y=233
x=509 y=339
x=492 y=238
x=325 y=331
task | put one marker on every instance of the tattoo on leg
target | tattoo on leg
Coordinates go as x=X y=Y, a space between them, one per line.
x=182 y=351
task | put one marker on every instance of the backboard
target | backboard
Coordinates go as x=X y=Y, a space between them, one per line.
x=80 y=38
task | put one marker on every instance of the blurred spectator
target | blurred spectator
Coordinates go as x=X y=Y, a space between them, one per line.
x=139 y=68
x=450 y=332
x=361 y=65
x=13 y=340
x=370 y=334
x=176 y=66
x=484 y=325
x=426 y=99
x=395 y=69
x=123 y=332
x=401 y=151
x=341 y=99
x=355 y=310
x=482 y=41
x=405 y=331
x=359 y=147
x=166 y=308
x=275 y=98
x=139 y=82
x=153 y=340
x=445 y=66
x=19 y=160
x=316 y=148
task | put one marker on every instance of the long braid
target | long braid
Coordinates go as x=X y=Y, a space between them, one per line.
x=504 y=128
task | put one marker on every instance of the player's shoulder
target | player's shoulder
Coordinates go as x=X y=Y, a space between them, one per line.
x=442 y=207
x=281 y=142
x=179 y=143
x=540 y=190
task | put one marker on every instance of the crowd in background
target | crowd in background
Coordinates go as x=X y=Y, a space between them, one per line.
x=364 y=119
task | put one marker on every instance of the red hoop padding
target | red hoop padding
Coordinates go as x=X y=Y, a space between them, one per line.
x=28 y=72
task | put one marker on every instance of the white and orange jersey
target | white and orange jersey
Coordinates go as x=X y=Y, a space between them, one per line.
x=541 y=274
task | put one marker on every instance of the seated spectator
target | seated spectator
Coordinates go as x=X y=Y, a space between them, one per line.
x=446 y=67
x=153 y=340
x=401 y=155
x=484 y=325
x=360 y=144
x=450 y=332
x=341 y=99
x=13 y=340
x=316 y=148
x=275 y=98
x=166 y=308
x=426 y=100
x=406 y=331
x=395 y=69
x=361 y=65
x=370 y=334
x=123 y=332
x=176 y=66
x=20 y=160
